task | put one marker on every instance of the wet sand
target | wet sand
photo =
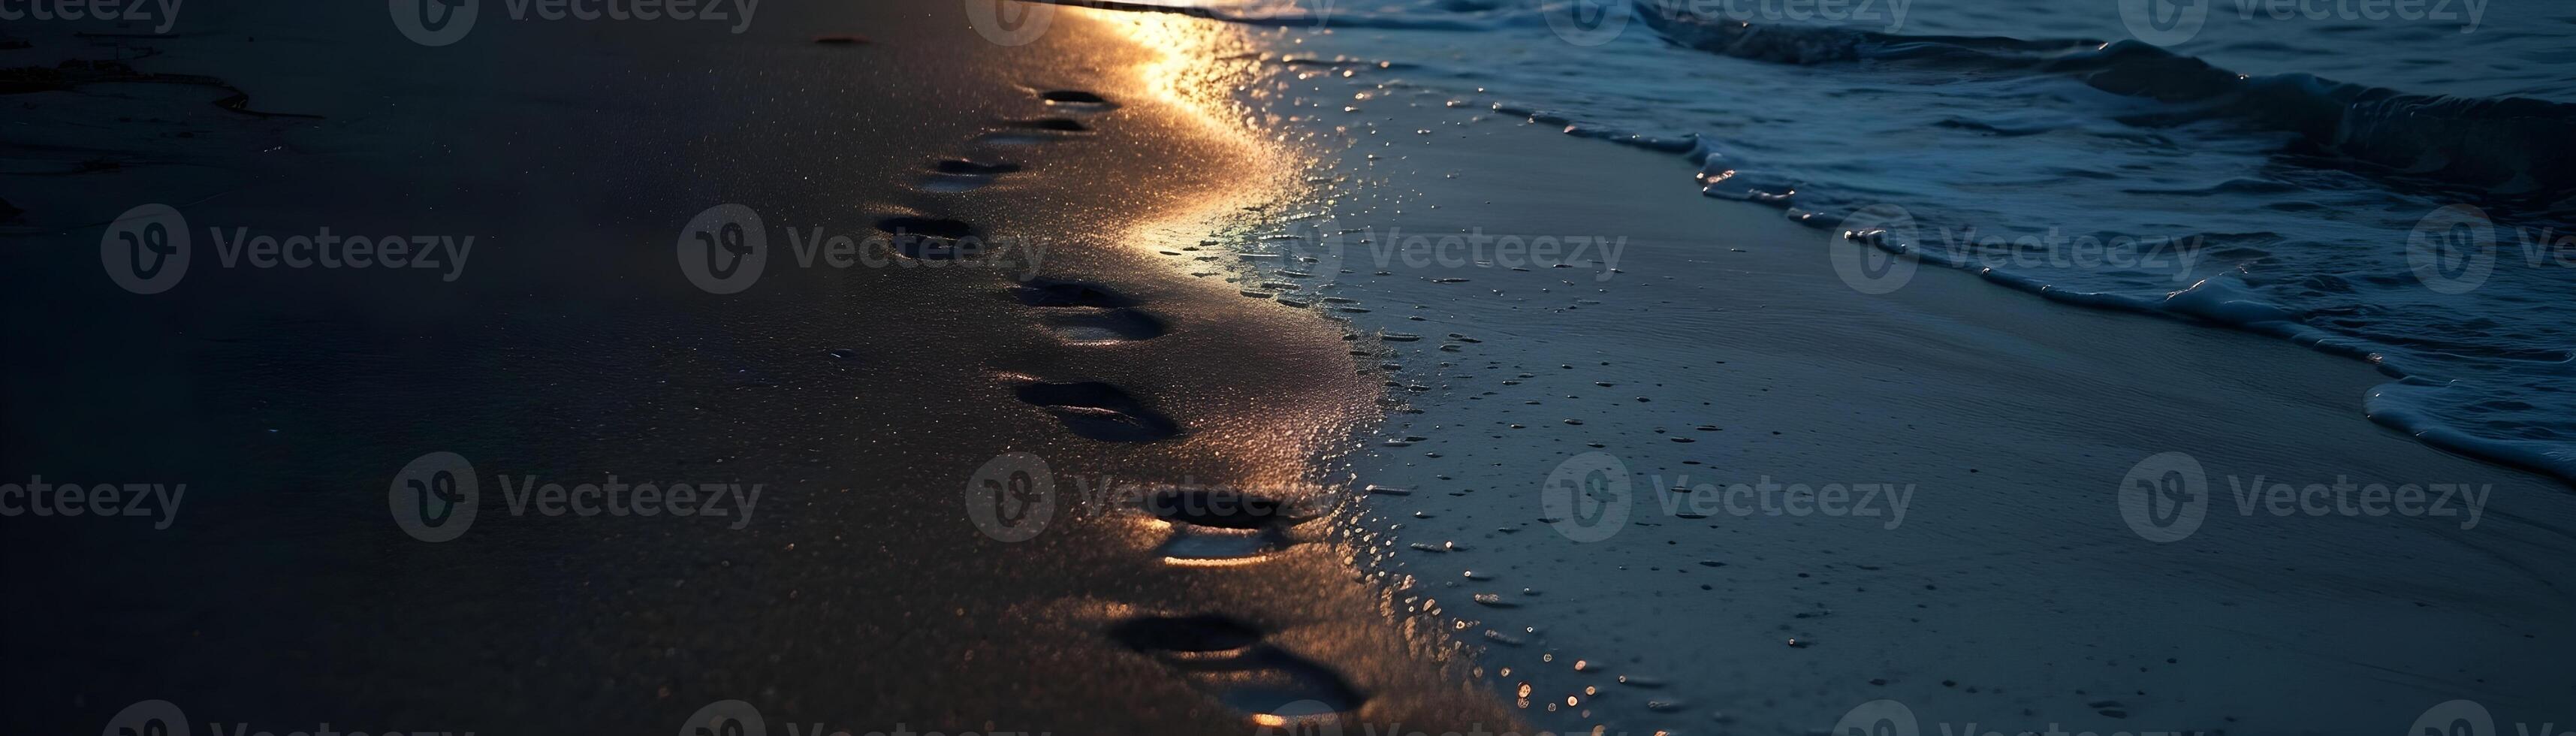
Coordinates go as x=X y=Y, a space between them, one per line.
x=859 y=592
x=1726 y=350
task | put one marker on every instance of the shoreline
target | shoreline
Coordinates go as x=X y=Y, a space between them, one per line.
x=1293 y=548
x=1724 y=350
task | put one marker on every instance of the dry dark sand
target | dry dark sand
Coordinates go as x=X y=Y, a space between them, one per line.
x=859 y=595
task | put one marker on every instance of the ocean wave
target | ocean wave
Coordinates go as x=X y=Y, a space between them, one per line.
x=2508 y=146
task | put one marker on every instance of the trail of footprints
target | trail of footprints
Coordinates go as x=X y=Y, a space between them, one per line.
x=1231 y=660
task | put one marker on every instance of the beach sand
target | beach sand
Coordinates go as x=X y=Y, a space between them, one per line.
x=864 y=593
x=859 y=592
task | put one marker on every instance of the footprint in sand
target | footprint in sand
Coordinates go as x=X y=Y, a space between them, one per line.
x=1223 y=526
x=1059 y=125
x=958 y=175
x=1033 y=131
x=1066 y=293
x=1099 y=411
x=931 y=238
x=1076 y=100
x=1231 y=661
x=1088 y=313
x=1105 y=326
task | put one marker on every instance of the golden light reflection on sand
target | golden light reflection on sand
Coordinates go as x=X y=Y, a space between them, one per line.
x=1200 y=83
x=1204 y=72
